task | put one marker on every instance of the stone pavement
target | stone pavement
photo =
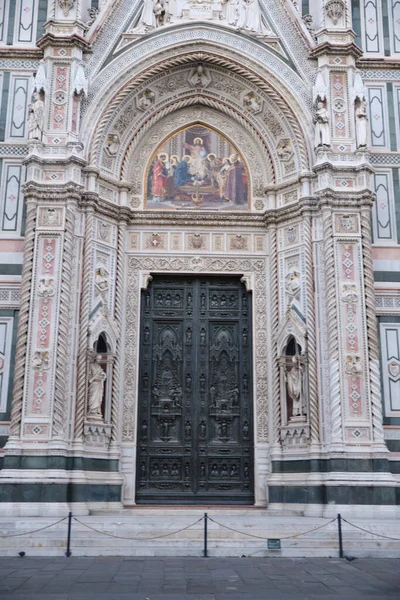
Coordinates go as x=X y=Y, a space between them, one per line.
x=108 y=578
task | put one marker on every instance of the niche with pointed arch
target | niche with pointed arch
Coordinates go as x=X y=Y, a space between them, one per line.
x=197 y=168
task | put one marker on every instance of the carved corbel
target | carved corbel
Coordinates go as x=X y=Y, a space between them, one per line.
x=248 y=280
x=145 y=279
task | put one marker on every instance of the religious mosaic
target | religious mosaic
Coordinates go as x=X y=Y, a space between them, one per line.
x=197 y=168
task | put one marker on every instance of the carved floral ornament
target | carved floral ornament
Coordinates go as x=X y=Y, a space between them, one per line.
x=66 y=6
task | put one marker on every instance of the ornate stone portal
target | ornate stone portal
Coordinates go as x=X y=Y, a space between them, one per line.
x=197 y=150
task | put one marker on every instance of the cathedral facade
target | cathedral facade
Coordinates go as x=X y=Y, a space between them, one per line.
x=200 y=292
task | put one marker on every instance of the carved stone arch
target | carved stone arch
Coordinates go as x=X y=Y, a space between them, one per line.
x=291 y=326
x=226 y=91
x=255 y=154
x=295 y=107
x=103 y=323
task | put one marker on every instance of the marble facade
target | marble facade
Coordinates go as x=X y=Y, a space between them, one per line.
x=287 y=93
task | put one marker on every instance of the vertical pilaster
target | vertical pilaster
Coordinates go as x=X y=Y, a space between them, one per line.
x=23 y=322
x=275 y=405
x=81 y=390
x=311 y=334
x=118 y=315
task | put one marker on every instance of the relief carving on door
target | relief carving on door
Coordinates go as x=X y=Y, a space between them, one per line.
x=195 y=442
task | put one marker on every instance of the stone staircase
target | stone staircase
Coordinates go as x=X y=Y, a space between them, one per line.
x=223 y=537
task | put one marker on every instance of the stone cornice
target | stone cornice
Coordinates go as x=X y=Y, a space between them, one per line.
x=8 y=52
x=349 y=49
x=46 y=193
x=308 y=205
x=74 y=40
x=343 y=200
x=378 y=63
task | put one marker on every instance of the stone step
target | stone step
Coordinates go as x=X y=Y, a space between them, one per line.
x=222 y=541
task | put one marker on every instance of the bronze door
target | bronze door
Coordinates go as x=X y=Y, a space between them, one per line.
x=195 y=420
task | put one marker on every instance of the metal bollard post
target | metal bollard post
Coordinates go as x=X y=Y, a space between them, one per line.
x=68 y=552
x=339 y=518
x=205 y=534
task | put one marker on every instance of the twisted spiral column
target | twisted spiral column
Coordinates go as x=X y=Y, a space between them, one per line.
x=372 y=333
x=118 y=313
x=81 y=388
x=274 y=324
x=23 y=319
x=64 y=326
x=311 y=341
x=333 y=334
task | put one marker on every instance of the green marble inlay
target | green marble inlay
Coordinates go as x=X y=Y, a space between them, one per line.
x=386 y=276
x=42 y=17
x=392 y=120
x=355 y=8
x=68 y=463
x=396 y=186
x=59 y=492
x=11 y=21
x=321 y=494
x=4 y=101
x=385 y=23
x=10 y=269
x=346 y=465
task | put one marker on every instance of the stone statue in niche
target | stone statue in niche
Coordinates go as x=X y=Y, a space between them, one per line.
x=36 y=117
x=243 y=15
x=322 y=129
x=97 y=379
x=294 y=387
x=361 y=123
x=321 y=120
x=359 y=95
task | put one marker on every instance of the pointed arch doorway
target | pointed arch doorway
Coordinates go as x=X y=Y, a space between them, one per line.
x=195 y=409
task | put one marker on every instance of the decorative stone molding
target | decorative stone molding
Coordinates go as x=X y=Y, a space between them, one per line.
x=66 y=6
x=96 y=435
x=103 y=322
x=295 y=435
x=335 y=10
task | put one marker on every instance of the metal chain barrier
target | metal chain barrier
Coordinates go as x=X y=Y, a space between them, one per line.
x=371 y=532
x=264 y=538
x=34 y=530
x=140 y=539
x=205 y=519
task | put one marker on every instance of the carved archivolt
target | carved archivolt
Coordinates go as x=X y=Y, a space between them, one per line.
x=225 y=91
x=279 y=109
x=194 y=264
